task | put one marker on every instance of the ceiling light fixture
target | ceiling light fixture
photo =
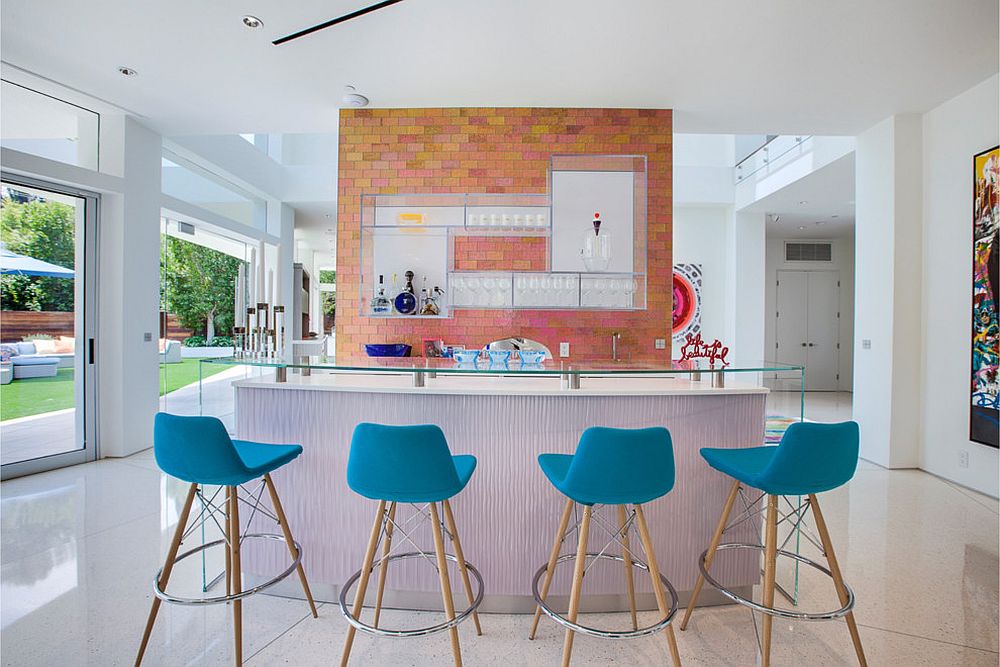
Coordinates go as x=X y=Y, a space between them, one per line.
x=126 y=71
x=355 y=100
x=834 y=216
x=821 y=222
x=803 y=202
x=802 y=226
x=252 y=22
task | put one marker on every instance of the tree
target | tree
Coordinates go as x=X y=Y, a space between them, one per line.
x=198 y=286
x=45 y=230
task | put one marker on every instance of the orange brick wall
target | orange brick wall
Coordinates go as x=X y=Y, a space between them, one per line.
x=393 y=151
x=500 y=253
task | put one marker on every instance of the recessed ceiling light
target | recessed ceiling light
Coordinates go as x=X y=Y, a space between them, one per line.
x=355 y=100
x=834 y=216
x=821 y=222
x=252 y=22
x=802 y=226
x=126 y=71
x=803 y=202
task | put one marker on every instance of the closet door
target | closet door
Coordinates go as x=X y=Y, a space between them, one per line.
x=791 y=331
x=823 y=329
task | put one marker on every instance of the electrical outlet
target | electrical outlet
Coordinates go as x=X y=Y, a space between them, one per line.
x=661 y=343
x=963 y=458
x=866 y=343
x=147 y=337
x=563 y=349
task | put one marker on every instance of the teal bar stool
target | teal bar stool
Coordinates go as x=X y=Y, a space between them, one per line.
x=410 y=465
x=198 y=450
x=615 y=467
x=810 y=459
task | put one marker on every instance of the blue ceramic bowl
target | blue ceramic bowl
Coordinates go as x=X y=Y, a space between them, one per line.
x=531 y=356
x=388 y=350
x=466 y=356
x=499 y=357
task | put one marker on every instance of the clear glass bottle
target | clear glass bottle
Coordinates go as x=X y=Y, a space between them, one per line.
x=596 y=251
x=380 y=303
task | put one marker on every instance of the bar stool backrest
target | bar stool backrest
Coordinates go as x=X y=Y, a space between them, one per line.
x=401 y=463
x=617 y=466
x=813 y=458
x=196 y=450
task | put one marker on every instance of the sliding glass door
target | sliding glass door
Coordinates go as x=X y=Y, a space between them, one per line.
x=47 y=326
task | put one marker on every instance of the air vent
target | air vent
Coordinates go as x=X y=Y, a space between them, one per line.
x=185 y=228
x=808 y=252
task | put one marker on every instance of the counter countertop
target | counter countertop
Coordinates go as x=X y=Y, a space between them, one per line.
x=498 y=385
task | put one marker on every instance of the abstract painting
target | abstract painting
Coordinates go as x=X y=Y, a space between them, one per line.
x=687 y=302
x=984 y=425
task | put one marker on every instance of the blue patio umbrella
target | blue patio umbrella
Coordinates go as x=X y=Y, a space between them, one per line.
x=22 y=265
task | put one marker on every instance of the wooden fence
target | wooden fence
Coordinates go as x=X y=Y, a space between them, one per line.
x=16 y=324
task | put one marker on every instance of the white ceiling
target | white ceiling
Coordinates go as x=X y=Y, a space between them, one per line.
x=825 y=196
x=776 y=66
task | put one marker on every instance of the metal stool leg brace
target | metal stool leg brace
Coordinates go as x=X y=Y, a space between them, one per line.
x=230 y=528
x=771 y=551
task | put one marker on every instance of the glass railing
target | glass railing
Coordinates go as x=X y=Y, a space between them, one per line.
x=771 y=156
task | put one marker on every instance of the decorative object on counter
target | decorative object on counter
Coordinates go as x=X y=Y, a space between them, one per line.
x=387 y=350
x=596 y=251
x=695 y=348
x=433 y=348
x=450 y=350
x=531 y=357
x=466 y=356
x=429 y=301
x=406 y=300
x=498 y=357
x=521 y=345
x=380 y=302
x=687 y=302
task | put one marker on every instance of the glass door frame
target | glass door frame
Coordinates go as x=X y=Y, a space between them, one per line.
x=86 y=422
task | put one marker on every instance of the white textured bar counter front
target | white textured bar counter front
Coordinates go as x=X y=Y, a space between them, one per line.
x=509 y=512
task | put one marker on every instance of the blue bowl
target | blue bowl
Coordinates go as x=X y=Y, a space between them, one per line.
x=499 y=357
x=531 y=357
x=466 y=356
x=388 y=350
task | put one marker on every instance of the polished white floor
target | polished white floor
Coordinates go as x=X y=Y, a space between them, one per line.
x=80 y=546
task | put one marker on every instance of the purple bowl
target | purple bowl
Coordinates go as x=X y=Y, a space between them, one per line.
x=388 y=350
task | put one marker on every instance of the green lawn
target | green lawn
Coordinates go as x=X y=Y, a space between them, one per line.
x=33 y=396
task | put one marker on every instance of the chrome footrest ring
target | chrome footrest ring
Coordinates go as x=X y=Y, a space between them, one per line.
x=176 y=599
x=777 y=611
x=415 y=632
x=597 y=632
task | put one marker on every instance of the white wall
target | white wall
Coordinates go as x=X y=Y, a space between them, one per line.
x=843 y=262
x=698 y=239
x=952 y=134
x=887 y=376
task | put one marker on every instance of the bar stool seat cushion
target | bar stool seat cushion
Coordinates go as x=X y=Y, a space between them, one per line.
x=406 y=464
x=614 y=466
x=260 y=458
x=811 y=458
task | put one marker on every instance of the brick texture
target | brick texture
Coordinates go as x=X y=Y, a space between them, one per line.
x=458 y=150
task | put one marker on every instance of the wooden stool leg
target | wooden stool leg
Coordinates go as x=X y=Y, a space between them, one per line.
x=654 y=575
x=366 y=571
x=770 y=555
x=574 y=596
x=710 y=554
x=838 y=578
x=383 y=566
x=287 y=532
x=460 y=555
x=550 y=568
x=168 y=565
x=627 y=555
x=449 y=602
x=229 y=547
x=234 y=535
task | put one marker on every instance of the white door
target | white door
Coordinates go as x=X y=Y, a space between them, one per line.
x=823 y=324
x=807 y=330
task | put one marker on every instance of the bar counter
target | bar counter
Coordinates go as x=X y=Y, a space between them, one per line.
x=508 y=513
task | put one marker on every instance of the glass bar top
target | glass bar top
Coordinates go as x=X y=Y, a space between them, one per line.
x=513 y=367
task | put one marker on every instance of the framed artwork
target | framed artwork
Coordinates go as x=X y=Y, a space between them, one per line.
x=984 y=425
x=687 y=302
x=433 y=348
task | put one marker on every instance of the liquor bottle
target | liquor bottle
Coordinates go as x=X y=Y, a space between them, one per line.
x=380 y=304
x=406 y=301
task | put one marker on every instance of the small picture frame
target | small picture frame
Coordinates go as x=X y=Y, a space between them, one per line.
x=433 y=348
x=449 y=350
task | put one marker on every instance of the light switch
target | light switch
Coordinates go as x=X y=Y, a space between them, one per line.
x=563 y=349
x=661 y=343
x=866 y=343
x=147 y=337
